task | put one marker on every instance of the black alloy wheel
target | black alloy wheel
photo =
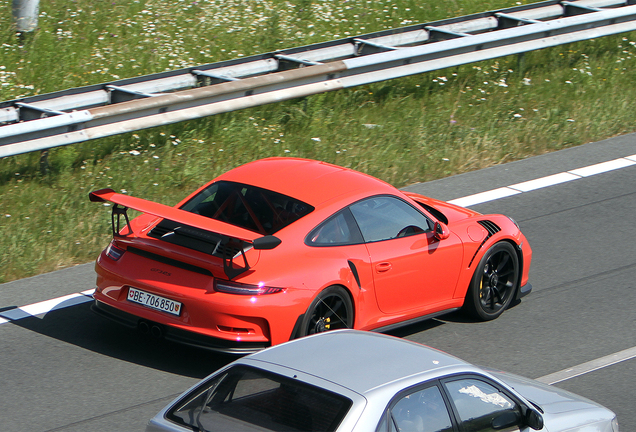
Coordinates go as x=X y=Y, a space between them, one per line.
x=330 y=310
x=494 y=282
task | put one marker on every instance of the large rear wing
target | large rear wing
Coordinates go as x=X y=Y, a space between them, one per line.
x=173 y=214
x=124 y=202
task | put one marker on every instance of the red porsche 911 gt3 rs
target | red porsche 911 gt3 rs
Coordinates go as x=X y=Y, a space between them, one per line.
x=281 y=248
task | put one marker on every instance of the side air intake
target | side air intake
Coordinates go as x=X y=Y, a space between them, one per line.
x=492 y=229
x=490 y=226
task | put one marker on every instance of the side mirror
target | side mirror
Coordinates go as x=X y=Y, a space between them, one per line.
x=441 y=231
x=505 y=420
x=266 y=242
x=534 y=419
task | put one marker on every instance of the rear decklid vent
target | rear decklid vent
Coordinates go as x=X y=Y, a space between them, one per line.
x=169 y=261
x=197 y=239
x=159 y=231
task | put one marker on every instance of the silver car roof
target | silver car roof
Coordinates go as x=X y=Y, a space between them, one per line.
x=361 y=361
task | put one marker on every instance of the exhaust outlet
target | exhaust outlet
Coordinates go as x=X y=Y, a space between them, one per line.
x=156 y=332
x=143 y=327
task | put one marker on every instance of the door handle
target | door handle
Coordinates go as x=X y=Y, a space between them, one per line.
x=383 y=267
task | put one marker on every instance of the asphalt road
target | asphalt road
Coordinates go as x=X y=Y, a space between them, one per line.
x=70 y=370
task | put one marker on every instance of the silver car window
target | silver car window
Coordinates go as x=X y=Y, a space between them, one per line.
x=422 y=411
x=478 y=403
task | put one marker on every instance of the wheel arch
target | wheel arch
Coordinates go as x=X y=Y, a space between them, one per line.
x=351 y=297
x=519 y=254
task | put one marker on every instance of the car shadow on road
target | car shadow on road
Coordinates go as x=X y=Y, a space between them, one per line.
x=460 y=317
x=78 y=325
x=420 y=326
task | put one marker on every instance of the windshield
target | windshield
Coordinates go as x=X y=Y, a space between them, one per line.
x=249 y=399
x=248 y=207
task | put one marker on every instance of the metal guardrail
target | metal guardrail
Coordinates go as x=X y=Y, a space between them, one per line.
x=86 y=113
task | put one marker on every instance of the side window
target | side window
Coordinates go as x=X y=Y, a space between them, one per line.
x=339 y=229
x=385 y=217
x=422 y=411
x=478 y=404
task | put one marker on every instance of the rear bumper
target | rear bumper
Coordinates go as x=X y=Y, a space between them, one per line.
x=175 y=334
x=253 y=321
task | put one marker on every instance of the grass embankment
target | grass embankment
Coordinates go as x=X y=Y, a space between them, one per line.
x=404 y=131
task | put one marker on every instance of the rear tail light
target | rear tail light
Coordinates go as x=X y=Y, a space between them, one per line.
x=244 y=289
x=113 y=252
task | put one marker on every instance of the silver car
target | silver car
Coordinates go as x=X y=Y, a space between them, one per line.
x=350 y=380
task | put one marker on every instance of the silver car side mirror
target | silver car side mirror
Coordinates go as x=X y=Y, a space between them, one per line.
x=534 y=419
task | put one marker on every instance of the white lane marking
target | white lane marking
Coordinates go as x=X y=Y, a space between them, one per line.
x=603 y=167
x=44 y=307
x=588 y=367
x=483 y=197
x=542 y=182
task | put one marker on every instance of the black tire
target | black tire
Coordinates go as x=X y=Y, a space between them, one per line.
x=330 y=310
x=494 y=283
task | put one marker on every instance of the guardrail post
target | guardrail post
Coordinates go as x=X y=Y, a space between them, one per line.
x=25 y=15
x=45 y=167
x=521 y=64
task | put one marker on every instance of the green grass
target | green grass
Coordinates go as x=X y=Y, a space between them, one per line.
x=404 y=131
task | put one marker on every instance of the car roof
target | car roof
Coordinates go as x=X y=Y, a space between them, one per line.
x=310 y=181
x=359 y=360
